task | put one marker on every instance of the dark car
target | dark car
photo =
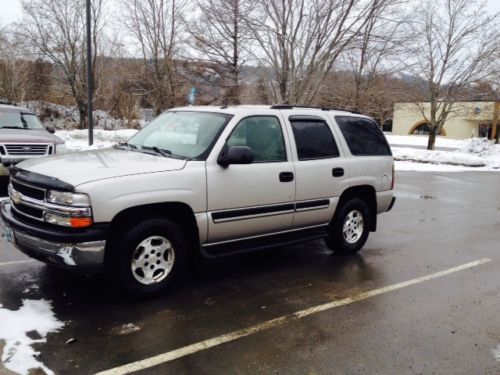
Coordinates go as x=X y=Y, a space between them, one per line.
x=22 y=136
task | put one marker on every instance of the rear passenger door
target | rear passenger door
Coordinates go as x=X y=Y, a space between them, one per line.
x=320 y=171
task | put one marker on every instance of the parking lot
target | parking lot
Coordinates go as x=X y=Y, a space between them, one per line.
x=422 y=297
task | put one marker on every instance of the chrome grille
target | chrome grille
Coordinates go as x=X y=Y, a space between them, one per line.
x=27 y=149
x=28 y=190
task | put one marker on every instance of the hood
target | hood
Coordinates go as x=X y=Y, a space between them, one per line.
x=87 y=166
x=26 y=136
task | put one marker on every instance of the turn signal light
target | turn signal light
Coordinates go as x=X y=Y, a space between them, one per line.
x=80 y=222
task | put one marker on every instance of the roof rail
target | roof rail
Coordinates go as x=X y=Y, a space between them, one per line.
x=291 y=106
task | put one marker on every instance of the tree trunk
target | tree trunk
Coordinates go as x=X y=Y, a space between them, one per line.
x=432 y=138
x=82 y=110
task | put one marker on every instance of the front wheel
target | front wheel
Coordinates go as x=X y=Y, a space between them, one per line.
x=350 y=228
x=150 y=257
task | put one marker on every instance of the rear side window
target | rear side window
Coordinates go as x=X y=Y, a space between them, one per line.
x=363 y=136
x=314 y=140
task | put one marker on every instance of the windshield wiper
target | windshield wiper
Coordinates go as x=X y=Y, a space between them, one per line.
x=161 y=151
x=126 y=144
x=12 y=127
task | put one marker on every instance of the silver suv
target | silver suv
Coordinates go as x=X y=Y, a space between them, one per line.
x=203 y=180
x=22 y=137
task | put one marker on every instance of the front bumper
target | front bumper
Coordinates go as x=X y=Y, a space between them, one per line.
x=82 y=251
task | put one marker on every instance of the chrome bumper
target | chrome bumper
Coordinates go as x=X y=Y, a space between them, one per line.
x=86 y=255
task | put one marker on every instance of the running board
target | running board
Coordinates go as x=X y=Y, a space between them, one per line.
x=263 y=242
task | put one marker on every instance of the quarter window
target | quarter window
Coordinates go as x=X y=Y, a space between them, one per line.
x=363 y=136
x=262 y=134
x=314 y=140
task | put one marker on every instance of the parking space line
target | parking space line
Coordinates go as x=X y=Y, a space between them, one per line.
x=219 y=340
x=17 y=262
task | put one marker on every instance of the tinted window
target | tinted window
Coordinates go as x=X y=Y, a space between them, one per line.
x=363 y=136
x=314 y=140
x=262 y=134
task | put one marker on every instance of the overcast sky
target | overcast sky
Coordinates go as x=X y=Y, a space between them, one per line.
x=10 y=10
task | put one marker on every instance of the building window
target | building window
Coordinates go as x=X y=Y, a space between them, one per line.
x=423 y=129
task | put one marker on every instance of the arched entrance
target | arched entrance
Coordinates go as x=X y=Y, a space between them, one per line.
x=423 y=128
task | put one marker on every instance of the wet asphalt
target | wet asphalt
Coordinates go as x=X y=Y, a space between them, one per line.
x=448 y=325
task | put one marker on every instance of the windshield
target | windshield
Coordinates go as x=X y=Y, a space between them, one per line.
x=189 y=135
x=13 y=119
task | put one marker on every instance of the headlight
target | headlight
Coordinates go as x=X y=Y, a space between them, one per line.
x=62 y=149
x=68 y=199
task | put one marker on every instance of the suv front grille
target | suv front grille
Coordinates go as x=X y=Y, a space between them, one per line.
x=30 y=211
x=29 y=191
x=27 y=150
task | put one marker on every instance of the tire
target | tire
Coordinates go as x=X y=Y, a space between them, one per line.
x=350 y=227
x=150 y=257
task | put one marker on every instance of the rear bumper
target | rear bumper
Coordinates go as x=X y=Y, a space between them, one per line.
x=82 y=252
x=385 y=201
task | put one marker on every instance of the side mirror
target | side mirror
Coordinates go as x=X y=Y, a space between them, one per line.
x=51 y=129
x=235 y=155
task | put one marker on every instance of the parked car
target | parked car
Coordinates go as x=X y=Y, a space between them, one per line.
x=22 y=136
x=203 y=180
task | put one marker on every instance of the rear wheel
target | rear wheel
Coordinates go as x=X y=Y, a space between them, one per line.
x=350 y=228
x=150 y=257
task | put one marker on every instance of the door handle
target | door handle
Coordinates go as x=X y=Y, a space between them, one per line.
x=337 y=172
x=286 y=176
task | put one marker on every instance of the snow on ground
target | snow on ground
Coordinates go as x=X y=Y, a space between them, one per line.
x=496 y=353
x=421 y=140
x=22 y=328
x=77 y=140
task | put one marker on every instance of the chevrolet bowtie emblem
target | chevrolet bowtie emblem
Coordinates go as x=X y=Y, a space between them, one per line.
x=16 y=197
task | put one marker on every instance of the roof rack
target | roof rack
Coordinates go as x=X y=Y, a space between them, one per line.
x=291 y=106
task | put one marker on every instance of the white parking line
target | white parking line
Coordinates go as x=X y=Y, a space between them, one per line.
x=17 y=262
x=219 y=340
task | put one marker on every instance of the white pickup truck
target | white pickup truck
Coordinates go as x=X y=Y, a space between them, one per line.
x=209 y=180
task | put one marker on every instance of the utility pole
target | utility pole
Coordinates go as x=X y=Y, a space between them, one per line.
x=90 y=89
x=496 y=123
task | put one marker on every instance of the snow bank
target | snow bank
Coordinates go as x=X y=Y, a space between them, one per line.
x=33 y=315
x=77 y=140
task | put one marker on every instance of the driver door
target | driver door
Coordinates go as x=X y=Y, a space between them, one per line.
x=254 y=199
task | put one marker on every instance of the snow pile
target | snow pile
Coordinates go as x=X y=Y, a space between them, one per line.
x=77 y=140
x=34 y=317
x=496 y=353
x=438 y=157
x=62 y=117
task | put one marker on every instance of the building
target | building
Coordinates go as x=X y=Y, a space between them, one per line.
x=466 y=120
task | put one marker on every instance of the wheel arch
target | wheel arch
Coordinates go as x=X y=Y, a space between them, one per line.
x=364 y=192
x=177 y=212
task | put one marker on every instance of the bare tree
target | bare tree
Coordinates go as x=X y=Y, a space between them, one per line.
x=302 y=39
x=454 y=48
x=371 y=59
x=55 y=30
x=154 y=25
x=219 y=36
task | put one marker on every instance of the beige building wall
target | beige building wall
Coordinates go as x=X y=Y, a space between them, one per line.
x=462 y=123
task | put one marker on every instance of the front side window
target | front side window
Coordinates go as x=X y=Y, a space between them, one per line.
x=19 y=120
x=363 y=136
x=314 y=140
x=263 y=135
x=182 y=134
